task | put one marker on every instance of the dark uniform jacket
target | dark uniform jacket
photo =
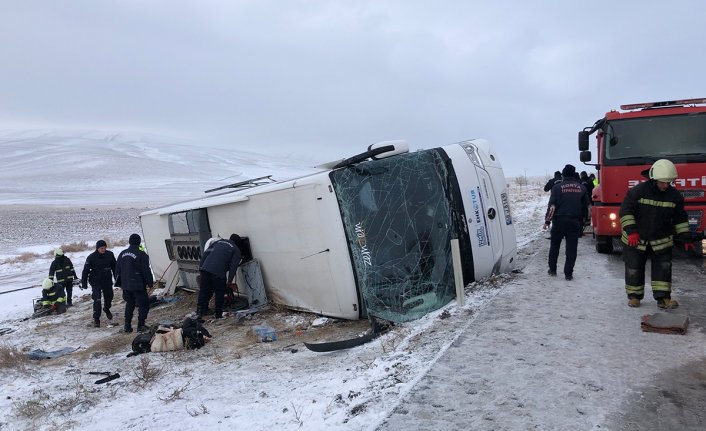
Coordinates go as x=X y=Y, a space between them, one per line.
x=223 y=255
x=63 y=269
x=551 y=183
x=568 y=200
x=99 y=269
x=654 y=214
x=133 y=269
x=588 y=185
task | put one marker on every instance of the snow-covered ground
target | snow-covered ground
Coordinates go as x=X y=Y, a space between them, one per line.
x=526 y=351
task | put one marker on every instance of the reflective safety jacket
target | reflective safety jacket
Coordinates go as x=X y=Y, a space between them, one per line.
x=654 y=214
x=63 y=269
x=53 y=294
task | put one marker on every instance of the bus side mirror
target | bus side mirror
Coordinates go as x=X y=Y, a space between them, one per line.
x=583 y=140
x=585 y=156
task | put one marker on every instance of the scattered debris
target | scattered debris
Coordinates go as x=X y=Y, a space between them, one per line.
x=377 y=328
x=39 y=354
x=665 y=323
x=108 y=376
x=264 y=333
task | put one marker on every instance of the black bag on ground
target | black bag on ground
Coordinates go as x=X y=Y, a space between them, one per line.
x=193 y=333
x=142 y=342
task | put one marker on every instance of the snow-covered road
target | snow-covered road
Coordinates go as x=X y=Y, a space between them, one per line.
x=549 y=354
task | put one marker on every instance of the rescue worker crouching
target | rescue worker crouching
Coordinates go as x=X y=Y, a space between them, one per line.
x=133 y=276
x=53 y=296
x=650 y=213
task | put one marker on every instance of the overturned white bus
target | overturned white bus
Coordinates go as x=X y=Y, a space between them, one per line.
x=367 y=236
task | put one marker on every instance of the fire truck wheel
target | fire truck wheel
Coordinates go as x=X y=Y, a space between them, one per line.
x=604 y=244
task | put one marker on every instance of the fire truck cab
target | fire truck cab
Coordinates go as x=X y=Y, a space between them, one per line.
x=629 y=141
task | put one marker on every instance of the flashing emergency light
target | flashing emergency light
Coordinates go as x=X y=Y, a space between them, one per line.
x=664 y=103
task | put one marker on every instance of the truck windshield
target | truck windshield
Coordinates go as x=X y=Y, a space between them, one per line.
x=397 y=214
x=682 y=138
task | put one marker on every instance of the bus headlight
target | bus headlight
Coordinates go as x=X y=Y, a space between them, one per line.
x=472 y=152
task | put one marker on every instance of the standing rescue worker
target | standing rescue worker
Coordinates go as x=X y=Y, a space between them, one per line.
x=134 y=275
x=568 y=207
x=99 y=270
x=650 y=213
x=63 y=270
x=223 y=256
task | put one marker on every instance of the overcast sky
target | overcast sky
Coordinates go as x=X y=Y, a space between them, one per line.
x=326 y=79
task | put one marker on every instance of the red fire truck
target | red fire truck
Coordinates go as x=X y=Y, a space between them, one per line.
x=629 y=141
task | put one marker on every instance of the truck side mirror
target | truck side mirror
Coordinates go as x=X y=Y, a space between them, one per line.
x=585 y=156
x=583 y=140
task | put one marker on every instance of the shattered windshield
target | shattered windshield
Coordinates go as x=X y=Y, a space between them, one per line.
x=682 y=138
x=397 y=217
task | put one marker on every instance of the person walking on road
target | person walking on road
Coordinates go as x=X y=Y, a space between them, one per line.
x=650 y=213
x=63 y=271
x=568 y=207
x=134 y=276
x=99 y=271
x=218 y=267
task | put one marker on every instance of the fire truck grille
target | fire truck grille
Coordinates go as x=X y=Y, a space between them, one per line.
x=692 y=193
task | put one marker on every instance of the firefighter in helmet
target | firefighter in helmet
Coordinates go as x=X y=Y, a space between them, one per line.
x=53 y=296
x=651 y=213
x=62 y=268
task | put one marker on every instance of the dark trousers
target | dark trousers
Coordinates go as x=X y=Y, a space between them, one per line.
x=210 y=283
x=570 y=229
x=661 y=272
x=69 y=286
x=139 y=298
x=107 y=292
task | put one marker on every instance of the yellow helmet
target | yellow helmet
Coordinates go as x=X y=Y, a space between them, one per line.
x=58 y=252
x=47 y=283
x=663 y=170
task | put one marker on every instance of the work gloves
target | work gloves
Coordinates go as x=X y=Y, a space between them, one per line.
x=633 y=239
x=688 y=240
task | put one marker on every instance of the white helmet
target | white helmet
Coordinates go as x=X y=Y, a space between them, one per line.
x=663 y=170
x=58 y=252
x=47 y=283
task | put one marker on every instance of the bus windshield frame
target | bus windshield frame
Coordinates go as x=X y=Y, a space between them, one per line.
x=399 y=215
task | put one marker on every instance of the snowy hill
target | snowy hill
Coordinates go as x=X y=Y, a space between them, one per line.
x=89 y=168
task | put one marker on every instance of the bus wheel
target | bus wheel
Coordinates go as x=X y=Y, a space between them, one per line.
x=604 y=244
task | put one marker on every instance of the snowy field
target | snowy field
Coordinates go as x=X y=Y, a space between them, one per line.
x=233 y=380
x=526 y=351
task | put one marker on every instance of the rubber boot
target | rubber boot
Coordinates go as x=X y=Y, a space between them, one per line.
x=141 y=327
x=667 y=303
